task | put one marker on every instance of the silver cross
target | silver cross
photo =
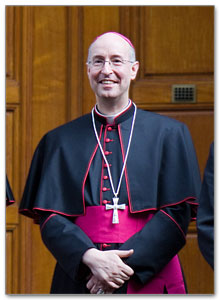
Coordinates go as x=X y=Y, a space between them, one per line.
x=115 y=207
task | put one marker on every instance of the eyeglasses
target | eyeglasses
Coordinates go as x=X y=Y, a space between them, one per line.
x=99 y=63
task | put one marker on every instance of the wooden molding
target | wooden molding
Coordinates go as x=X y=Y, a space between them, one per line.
x=12 y=242
x=157 y=91
x=25 y=237
x=13 y=42
x=12 y=91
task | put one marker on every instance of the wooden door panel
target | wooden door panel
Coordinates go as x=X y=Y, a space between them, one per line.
x=178 y=40
x=201 y=127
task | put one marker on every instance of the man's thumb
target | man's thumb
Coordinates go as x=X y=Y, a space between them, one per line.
x=124 y=253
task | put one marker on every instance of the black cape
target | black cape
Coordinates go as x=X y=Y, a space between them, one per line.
x=162 y=164
x=163 y=177
x=205 y=218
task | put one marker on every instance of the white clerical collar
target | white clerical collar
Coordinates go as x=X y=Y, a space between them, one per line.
x=110 y=118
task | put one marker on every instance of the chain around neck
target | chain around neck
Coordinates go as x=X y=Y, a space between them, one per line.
x=126 y=156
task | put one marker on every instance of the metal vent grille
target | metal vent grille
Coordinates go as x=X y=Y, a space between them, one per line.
x=184 y=93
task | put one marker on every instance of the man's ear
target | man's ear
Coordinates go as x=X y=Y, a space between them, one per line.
x=134 y=70
x=88 y=68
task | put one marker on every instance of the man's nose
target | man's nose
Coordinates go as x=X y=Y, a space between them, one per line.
x=107 y=68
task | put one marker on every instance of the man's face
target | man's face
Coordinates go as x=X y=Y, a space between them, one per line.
x=109 y=81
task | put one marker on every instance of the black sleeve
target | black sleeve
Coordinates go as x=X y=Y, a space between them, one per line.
x=9 y=194
x=67 y=242
x=205 y=217
x=159 y=241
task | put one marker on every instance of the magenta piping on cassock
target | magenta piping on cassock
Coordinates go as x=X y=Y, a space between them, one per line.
x=89 y=165
x=112 y=124
x=50 y=216
x=131 y=103
x=102 y=171
x=174 y=222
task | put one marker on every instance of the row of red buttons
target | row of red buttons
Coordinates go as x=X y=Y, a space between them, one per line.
x=105 y=177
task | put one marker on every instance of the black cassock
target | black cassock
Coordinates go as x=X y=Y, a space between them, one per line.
x=68 y=174
x=205 y=219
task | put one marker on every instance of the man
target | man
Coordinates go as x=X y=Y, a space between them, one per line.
x=205 y=219
x=114 y=190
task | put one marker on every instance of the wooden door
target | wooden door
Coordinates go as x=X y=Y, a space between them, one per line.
x=47 y=85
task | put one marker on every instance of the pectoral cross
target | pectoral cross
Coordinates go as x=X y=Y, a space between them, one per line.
x=115 y=207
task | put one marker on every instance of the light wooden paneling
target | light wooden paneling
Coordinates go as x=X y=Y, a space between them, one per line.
x=155 y=93
x=75 y=66
x=12 y=164
x=175 y=46
x=49 y=93
x=9 y=262
x=13 y=41
x=13 y=144
x=12 y=248
x=177 y=39
x=201 y=127
x=96 y=20
x=49 y=110
x=9 y=145
x=12 y=259
x=10 y=42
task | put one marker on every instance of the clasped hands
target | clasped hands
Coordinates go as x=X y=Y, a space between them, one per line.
x=108 y=271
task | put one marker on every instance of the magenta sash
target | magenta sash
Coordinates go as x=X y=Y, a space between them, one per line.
x=97 y=224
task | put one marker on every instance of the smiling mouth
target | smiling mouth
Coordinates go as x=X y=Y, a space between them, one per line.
x=106 y=81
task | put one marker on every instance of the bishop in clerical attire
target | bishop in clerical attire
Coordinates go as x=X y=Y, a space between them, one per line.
x=114 y=190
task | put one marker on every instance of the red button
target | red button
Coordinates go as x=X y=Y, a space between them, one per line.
x=105 y=177
x=109 y=129
x=105 y=201
x=104 y=189
x=105 y=245
x=105 y=166
x=107 y=152
x=108 y=140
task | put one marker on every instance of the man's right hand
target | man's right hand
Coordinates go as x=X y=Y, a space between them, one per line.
x=108 y=269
